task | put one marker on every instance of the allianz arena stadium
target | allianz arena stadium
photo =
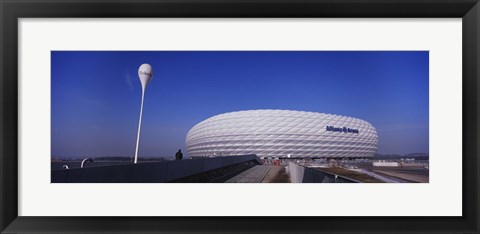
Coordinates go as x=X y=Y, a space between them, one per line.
x=282 y=134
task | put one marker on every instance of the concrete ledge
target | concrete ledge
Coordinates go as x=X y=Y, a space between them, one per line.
x=301 y=174
x=154 y=172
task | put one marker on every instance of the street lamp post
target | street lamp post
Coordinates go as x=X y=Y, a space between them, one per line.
x=145 y=73
x=84 y=161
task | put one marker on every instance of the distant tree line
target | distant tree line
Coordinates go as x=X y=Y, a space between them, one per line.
x=128 y=159
x=417 y=156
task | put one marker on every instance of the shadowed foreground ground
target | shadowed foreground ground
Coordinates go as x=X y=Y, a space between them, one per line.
x=351 y=174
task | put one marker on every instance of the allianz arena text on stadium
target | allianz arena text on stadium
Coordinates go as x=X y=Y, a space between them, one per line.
x=282 y=134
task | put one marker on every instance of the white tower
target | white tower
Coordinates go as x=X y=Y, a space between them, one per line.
x=145 y=73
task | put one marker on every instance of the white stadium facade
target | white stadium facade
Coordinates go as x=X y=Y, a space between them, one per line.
x=282 y=134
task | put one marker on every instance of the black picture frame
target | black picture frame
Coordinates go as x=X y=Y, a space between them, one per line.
x=11 y=11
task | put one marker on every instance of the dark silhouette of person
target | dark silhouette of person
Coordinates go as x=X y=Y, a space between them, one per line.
x=179 y=155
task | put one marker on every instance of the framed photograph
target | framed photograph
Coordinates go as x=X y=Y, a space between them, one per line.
x=240 y=117
x=277 y=116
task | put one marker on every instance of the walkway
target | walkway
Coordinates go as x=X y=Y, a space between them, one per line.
x=252 y=175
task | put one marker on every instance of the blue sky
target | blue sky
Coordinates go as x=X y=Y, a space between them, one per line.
x=96 y=95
